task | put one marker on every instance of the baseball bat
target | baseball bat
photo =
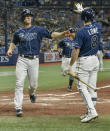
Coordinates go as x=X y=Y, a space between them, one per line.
x=75 y=76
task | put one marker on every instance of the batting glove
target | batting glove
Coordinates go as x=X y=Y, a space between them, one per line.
x=68 y=69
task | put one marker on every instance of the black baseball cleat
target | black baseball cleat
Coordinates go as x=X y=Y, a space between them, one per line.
x=19 y=113
x=33 y=98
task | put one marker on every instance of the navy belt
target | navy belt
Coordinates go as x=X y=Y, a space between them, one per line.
x=29 y=56
x=87 y=55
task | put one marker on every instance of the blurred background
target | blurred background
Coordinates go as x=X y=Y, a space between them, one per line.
x=55 y=15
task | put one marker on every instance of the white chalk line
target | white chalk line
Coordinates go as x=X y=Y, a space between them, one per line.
x=8 y=73
x=53 y=97
x=103 y=87
x=62 y=95
x=27 y=102
x=106 y=68
x=11 y=73
x=68 y=94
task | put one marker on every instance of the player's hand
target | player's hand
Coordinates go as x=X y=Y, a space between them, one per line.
x=73 y=75
x=9 y=53
x=66 y=33
x=79 y=7
x=68 y=70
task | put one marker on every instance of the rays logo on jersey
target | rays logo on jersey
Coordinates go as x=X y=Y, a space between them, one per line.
x=67 y=44
x=27 y=36
x=21 y=35
x=70 y=45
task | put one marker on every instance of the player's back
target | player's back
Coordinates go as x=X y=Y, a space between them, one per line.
x=88 y=38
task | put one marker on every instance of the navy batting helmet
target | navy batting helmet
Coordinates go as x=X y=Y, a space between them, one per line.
x=26 y=12
x=72 y=30
x=87 y=14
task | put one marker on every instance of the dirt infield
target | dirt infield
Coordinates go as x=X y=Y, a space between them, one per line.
x=57 y=102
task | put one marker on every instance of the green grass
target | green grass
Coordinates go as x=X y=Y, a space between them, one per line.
x=53 y=123
x=102 y=76
x=50 y=78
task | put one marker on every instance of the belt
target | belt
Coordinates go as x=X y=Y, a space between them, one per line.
x=86 y=56
x=29 y=56
x=66 y=56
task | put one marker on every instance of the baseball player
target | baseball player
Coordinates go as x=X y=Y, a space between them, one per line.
x=28 y=39
x=67 y=45
x=88 y=40
x=100 y=57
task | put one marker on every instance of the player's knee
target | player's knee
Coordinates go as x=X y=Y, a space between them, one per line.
x=19 y=89
x=83 y=90
x=19 y=84
x=33 y=85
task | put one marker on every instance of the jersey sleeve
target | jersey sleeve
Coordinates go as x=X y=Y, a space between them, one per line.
x=101 y=47
x=100 y=29
x=15 y=39
x=78 y=40
x=45 y=33
x=60 y=45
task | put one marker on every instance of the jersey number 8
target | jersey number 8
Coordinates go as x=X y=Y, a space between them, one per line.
x=94 y=41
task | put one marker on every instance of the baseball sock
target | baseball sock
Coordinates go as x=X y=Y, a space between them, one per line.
x=94 y=100
x=71 y=79
x=70 y=82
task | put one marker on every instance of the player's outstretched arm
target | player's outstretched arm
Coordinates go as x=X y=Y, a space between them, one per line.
x=11 y=48
x=74 y=57
x=60 y=34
